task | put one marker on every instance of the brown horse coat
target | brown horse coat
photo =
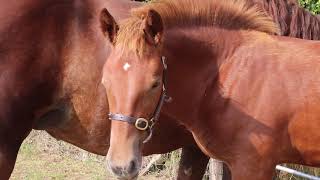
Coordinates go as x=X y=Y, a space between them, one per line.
x=80 y=136
x=249 y=98
x=31 y=34
x=51 y=58
x=90 y=133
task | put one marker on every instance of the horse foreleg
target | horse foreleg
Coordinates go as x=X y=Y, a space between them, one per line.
x=226 y=173
x=193 y=164
x=10 y=141
x=247 y=170
x=8 y=155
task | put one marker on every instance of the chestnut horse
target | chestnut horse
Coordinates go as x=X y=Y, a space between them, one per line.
x=51 y=58
x=83 y=128
x=286 y=13
x=249 y=98
x=76 y=130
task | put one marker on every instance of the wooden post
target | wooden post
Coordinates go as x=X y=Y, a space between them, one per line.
x=215 y=169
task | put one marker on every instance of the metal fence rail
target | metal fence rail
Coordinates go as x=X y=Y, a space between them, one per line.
x=297 y=173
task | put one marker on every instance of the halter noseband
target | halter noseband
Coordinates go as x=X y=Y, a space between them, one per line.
x=143 y=124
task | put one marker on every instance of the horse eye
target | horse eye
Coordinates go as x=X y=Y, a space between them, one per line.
x=155 y=85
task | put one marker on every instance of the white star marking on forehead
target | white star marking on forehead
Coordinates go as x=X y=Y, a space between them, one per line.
x=126 y=66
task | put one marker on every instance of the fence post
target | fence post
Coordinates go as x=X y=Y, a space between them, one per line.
x=215 y=169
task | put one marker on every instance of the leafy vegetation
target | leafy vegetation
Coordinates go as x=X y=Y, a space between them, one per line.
x=312 y=5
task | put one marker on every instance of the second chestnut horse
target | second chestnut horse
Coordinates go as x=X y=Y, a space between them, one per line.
x=249 y=98
x=51 y=58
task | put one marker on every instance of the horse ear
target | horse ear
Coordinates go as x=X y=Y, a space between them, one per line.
x=109 y=26
x=153 y=27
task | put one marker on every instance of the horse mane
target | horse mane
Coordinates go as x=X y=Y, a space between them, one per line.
x=292 y=19
x=230 y=14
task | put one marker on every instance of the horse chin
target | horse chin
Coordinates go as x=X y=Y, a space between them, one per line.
x=128 y=178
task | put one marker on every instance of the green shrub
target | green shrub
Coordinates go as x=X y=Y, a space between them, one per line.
x=312 y=5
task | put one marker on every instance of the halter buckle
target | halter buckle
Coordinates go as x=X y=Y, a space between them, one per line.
x=142 y=124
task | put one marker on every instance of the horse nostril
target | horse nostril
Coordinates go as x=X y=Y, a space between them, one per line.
x=130 y=170
x=132 y=167
x=117 y=170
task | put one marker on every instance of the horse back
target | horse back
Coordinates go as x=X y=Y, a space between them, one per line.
x=275 y=81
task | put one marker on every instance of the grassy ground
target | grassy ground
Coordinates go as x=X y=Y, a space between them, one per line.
x=41 y=157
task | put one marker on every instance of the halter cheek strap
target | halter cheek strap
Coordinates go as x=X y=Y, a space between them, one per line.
x=142 y=123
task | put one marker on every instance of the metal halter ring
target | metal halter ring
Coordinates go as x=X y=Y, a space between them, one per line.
x=142 y=124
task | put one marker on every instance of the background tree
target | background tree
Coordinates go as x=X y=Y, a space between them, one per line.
x=312 y=5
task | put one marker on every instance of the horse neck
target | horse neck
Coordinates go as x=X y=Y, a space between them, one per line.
x=194 y=58
x=70 y=35
x=86 y=53
x=82 y=88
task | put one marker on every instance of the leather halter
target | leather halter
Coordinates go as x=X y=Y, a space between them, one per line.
x=141 y=123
